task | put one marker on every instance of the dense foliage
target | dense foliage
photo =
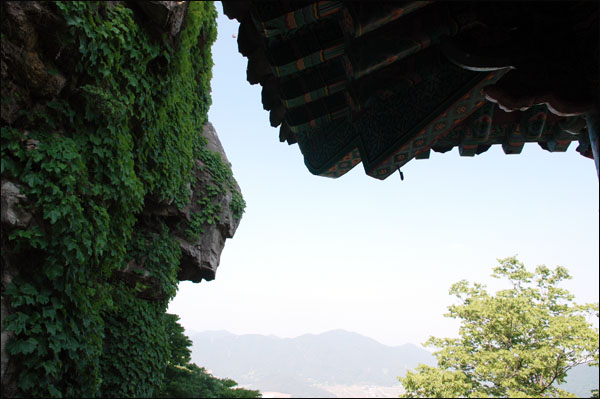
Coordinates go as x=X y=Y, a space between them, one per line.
x=127 y=127
x=520 y=342
x=186 y=380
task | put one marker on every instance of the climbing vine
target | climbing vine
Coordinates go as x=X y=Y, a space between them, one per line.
x=127 y=128
x=136 y=345
x=223 y=178
x=221 y=181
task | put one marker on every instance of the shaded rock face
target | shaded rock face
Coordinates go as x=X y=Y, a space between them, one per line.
x=201 y=258
x=167 y=16
x=26 y=69
x=12 y=213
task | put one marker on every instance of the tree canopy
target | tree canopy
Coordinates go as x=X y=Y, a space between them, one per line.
x=520 y=342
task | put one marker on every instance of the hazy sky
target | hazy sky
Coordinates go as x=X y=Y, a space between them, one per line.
x=378 y=257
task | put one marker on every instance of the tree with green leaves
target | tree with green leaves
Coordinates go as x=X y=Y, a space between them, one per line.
x=520 y=342
x=179 y=343
x=186 y=380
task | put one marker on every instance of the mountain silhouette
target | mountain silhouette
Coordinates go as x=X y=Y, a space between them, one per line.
x=301 y=365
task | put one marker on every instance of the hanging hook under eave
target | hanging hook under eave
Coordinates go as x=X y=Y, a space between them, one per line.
x=401 y=175
x=593 y=127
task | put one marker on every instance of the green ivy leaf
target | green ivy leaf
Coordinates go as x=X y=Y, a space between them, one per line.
x=25 y=347
x=49 y=313
x=28 y=289
x=51 y=328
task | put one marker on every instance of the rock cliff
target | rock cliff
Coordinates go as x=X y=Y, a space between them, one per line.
x=201 y=256
x=114 y=188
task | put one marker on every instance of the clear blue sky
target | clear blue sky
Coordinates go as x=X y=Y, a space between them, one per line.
x=378 y=257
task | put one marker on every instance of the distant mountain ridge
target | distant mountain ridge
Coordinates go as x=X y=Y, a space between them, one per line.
x=300 y=365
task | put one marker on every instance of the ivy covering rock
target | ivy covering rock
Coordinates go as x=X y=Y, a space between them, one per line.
x=108 y=188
